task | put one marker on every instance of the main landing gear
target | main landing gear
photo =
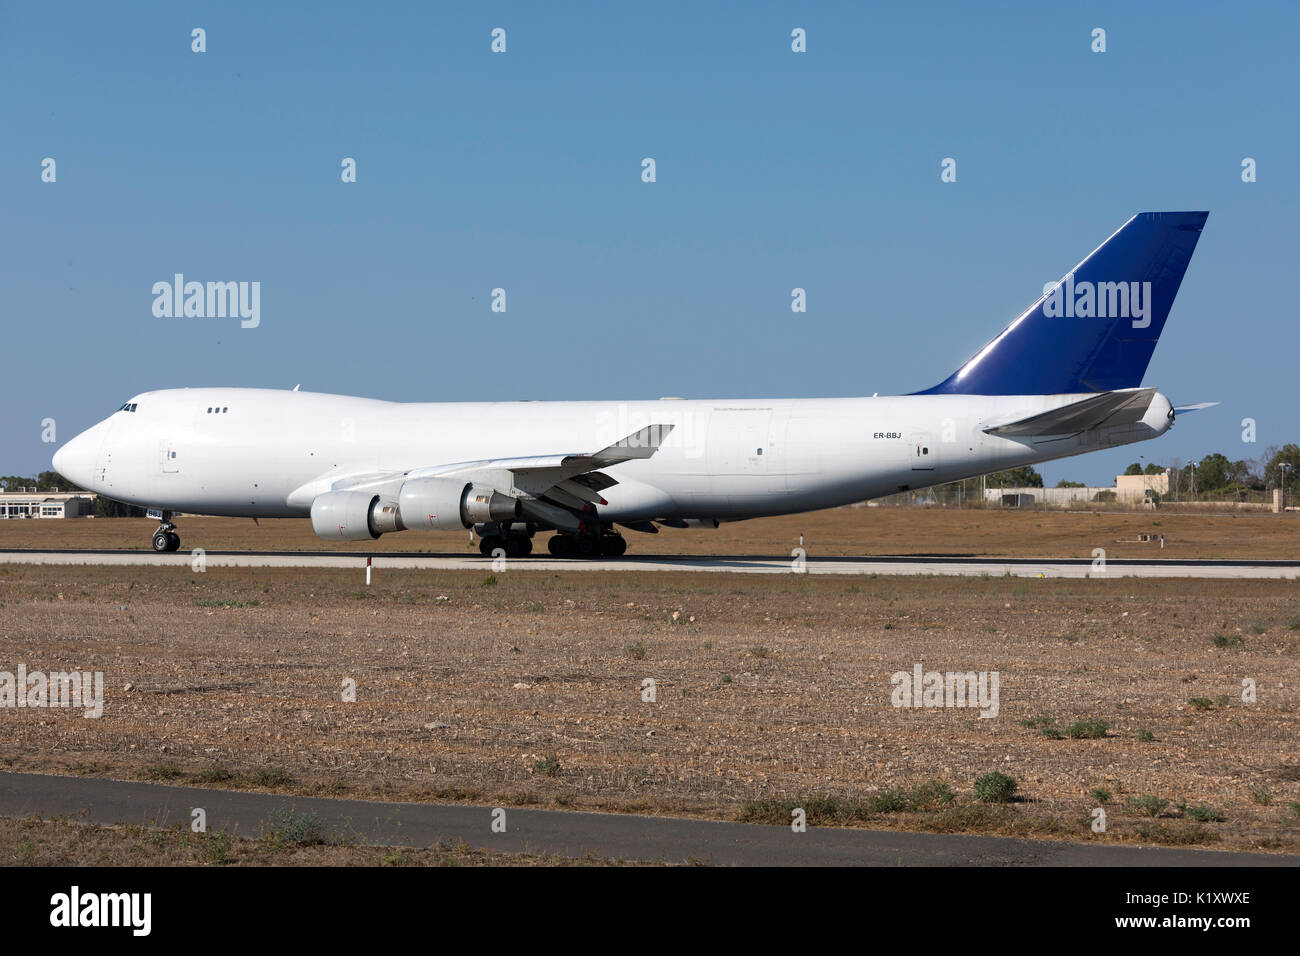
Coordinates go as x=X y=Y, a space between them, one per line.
x=166 y=539
x=608 y=543
x=515 y=540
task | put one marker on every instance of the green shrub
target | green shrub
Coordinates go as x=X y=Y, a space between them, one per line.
x=270 y=777
x=1149 y=805
x=1088 y=729
x=548 y=766
x=289 y=827
x=994 y=787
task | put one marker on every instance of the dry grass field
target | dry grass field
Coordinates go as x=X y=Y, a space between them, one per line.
x=771 y=691
x=840 y=531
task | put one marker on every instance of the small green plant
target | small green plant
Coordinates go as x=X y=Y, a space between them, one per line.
x=1200 y=703
x=489 y=581
x=1204 y=814
x=548 y=766
x=758 y=650
x=931 y=795
x=887 y=801
x=1149 y=805
x=726 y=678
x=216 y=848
x=636 y=651
x=163 y=771
x=396 y=858
x=290 y=827
x=1294 y=808
x=1100 y=795
x=1053 y=733
x=1294 y=623
x=1262 y=796
x=1145 y=735
x=217 y=774
x=995 y=787
x=270 y=777
x=1087 y=729
x=1033 y=722
x=1228 y=640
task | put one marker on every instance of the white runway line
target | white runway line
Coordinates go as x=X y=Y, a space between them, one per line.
x=1047 y=569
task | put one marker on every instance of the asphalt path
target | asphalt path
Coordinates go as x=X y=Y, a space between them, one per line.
x=609 y=835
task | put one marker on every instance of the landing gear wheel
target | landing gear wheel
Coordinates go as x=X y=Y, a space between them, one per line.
x=162 y=541
x=588 y=546
x=173 y=541
x=519 y=546
x=613 y=545
x=561 y=546
x=489 y=544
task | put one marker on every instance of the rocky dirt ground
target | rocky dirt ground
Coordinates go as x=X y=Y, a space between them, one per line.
x=771 y=691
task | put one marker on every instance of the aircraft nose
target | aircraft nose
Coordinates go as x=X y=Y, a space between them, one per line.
x=75 y=461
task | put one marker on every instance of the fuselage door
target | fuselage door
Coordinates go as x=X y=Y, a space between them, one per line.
x=168 y=457
x=923 y=452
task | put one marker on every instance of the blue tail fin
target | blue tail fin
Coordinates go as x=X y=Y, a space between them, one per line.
x=1096 y=329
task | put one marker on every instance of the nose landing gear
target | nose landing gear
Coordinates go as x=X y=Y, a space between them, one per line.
x=165 y=539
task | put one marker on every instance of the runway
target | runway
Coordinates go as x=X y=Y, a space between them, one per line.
x=609 y=835
x=740 y=564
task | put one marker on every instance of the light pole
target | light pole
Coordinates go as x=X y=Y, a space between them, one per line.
x=1284 y=467
x=1194 y=464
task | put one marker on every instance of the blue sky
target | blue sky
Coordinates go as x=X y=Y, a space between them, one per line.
x=522 y=171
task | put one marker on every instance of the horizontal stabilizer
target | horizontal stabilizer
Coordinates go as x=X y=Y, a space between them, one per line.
x=1110 y=408
x=1180 y=409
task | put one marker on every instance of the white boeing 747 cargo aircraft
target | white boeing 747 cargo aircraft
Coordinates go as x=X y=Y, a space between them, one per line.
x=1062 y=379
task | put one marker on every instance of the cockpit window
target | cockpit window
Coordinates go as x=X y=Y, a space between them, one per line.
x=128 y=407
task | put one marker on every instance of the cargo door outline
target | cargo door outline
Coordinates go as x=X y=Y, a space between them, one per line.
x=922 y=451
x=168 y=458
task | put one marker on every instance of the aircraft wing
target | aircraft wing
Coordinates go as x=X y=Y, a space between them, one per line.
x=1122 y=407
x=551 y=487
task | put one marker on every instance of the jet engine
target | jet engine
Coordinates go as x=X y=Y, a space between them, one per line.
x=445 y=504
x=351 y=516
x=429 y=504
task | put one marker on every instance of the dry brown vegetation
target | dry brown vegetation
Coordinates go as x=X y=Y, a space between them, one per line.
x=840 y=531
x=525 y=689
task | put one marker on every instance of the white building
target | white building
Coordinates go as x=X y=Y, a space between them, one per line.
x=1128 y=490
x=46 y=504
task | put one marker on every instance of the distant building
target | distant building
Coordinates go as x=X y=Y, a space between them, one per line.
x=46 y=504
x=1137 y=487
x=1128 y=490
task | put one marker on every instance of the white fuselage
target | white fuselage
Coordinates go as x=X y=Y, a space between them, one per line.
x=268 y=453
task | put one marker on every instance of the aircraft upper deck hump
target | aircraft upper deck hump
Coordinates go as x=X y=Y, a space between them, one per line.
x=1096 y=329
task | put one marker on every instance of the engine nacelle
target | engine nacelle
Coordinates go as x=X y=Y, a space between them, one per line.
x=344 y=515
x=446 y=504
